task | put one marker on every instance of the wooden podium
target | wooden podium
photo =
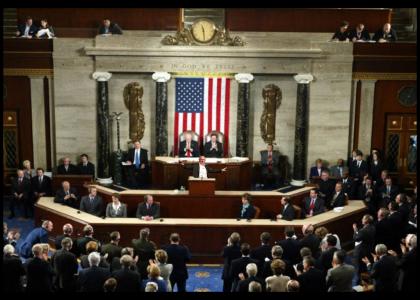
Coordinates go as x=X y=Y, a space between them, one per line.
x=201 y=186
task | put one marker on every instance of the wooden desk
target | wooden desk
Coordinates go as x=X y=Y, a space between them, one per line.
x=204 y=237
x=168 y=173
x=223 y=204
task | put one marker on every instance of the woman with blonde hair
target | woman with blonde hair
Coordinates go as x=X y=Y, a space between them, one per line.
x=28 y=172
x=165 y=269
x=154 y=276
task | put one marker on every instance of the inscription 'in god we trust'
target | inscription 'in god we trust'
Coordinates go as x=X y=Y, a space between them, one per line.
x=202 y=67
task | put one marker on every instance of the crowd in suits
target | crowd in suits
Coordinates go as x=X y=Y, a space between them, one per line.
x=361 y=34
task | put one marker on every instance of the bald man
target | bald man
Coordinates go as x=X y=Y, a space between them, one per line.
x=67 y=168
x=385 y=34
x=67 y=195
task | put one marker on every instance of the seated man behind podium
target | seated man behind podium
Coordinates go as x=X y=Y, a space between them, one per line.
x=109 y=28
x=188 y=147
x=247 y=209
x=201 y=170
x=213 y=148
x=66 y=195
x=313 y=204
x=92 y=203
x=137 y=159
x=85 y=166
x=27 y=30
x=270 y=164
x=116 y=209
x=339 y=197
x=148 y=210
x=67 y=168
x=288 y=212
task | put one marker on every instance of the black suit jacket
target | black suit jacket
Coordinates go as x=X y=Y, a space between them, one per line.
x=390 y=37
x=213 y=153
x=324 y=262
x=319 y=206
x=229 y=254
x=92 y=279
x=43 y=187
x=153 y=211
x=243 y=285
x=143 y=157
x=113 y=28
x=32 y=30
x=312 y=281
x=58 y=240
x=65 y=267
x=366 y=235
x=358 y=172
x=60 y=194
x=339 y=201
x=382 y=193
x=178 y=256
x=89 y=169
x=239 y=266
x=260 y=254
x=341 y=36
x=39 y=275
x=249 y=212
x=145 y=250
x=81 y=245
x=112 y=250
x=382 y=232
x=384 y=271
x=312 y=242
x=128 y=280
x=12 y=271
x=24 y=187
x=375 y=171
x=72 y=170
x=364 y=35
x=396 y=233
x=288 y=213
x=95 y=208
x=291 y=250
x=362 y=194
x=349 y=188
x=314 y=172
x=196 y=170
x=327 y=188
x=194 y=147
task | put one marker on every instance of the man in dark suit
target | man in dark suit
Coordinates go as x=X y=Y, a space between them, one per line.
x=385 y=34
x=230 y=252
x=339 y=169
x=342 y=34
x=37 y=235
x=138 y=164
x=263 y=251
x=396 y=222
x=383 y=228
x=41 y=185
x=13 y=271
x=239 y=265
x=65 y=266
x=290 y=245
x=178 y=256
x=112 y=249
x=384 y=270
x=324 y=262
x=67 y=168
x=145 y=250
x=188 y=147
x=288 y=212
x=92 y=203
x=67 y=195
x=340 y=276
x=326 y=188
x=316 y=171
x=338 y=198
x=313 y=204
x=270 y=165
x=86 y=238
x=92 y=279
x=27 y=30
x=127 y=279
x=39 y=273
x=251 y=272
x=358 y=168
x=365 y=242
x=21 y=189
x=247 y=210
x=148 y=210
x=109 y=28
x=408 y=264
x=67 y=232
x=387 y=192
x=201 y=170
x=309 y=239
x=348 y=186
x=311 y=280
x=359 y=34
x=213 y=148
x=85 y=166
x=367 y=193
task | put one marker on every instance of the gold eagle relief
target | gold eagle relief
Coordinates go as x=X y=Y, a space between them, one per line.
x=133 y=94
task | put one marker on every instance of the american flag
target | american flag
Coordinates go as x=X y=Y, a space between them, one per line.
x=202 y=105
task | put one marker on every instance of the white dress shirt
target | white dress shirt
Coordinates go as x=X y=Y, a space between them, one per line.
x=202 y=171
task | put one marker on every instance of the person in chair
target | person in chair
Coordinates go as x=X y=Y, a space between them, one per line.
x=67 y=195
x=247 y=210
x=313 y=204
x=188 y=147
x=116 y=209
x=109 y=28
x=92 y=203
x=67 y=168
x=85 y=166
x=148 y=210
x=201 y=170
x=270 y=164
x=288 y=212
x=213 y=148
x=338 y=198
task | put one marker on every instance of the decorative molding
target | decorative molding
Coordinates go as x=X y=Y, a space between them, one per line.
x=101 y=76
x=27 y=72
x=303 y=78
x=244 y=77
x=221 y=38
x=203 y=74
x=161 y=76
x=384 y=76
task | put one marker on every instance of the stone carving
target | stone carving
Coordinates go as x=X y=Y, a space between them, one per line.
x=272 y=100
x=133 y=93
x=222 y=38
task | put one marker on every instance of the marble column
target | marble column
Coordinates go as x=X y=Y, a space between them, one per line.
x=242 y=134
x=103 y=151
x=161 y=116
x=367 y=99
x=300 y=156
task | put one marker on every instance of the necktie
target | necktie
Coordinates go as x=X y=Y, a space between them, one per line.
x=312 y=205
x=358 y=164
x=148 y=206
x=388 y=189
x=188 y=150
x=40 y=179
x=137 y=159
x=67 y=168
x=341 y=172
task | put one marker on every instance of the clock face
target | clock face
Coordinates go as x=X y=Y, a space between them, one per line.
x=203 y=30
x=407 y=96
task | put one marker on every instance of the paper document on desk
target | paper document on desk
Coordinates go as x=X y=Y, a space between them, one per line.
x=238 y=159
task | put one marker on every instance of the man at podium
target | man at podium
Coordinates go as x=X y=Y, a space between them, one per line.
x=201 y=170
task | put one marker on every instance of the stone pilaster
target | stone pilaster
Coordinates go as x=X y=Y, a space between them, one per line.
x=300 y=156
x=103 y=151
x=161 y=116
x=242 y=134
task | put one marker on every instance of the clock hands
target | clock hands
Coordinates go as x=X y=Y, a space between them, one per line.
x=204 y=34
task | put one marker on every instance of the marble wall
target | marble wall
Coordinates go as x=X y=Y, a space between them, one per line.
x=273 y=58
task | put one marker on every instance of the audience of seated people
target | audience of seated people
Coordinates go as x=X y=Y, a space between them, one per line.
x=361 y=34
